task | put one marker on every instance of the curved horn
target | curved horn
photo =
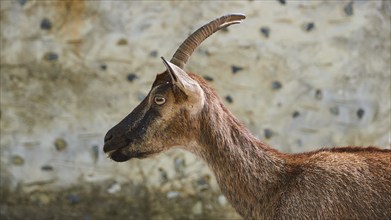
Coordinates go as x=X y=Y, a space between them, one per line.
x=191 y=43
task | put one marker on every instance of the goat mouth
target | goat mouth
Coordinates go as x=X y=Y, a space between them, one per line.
x=115 y=152
x=120 y=156
x=109 y=147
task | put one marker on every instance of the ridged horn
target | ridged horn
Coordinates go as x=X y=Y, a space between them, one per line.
x=191 y=43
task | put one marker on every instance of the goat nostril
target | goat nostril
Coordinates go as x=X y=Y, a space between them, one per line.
x=108 y=136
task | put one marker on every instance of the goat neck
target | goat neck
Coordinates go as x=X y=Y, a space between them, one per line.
x=245 y=168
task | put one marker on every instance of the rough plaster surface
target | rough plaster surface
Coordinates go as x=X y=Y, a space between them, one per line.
x=300 y=75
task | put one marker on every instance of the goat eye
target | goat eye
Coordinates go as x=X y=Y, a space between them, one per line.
x=159 y=100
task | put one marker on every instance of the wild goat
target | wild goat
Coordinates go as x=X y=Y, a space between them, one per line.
x=182 y=110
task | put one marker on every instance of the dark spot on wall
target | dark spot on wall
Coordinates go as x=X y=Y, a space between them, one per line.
x=299 y=142
x=179 y=165
x=268 y=133
x=73 y=199
x=95 y=152
x=295 y=114
x=22 y=2
x=103 y=67
x=283 y=2
x=122 y=42
x=60 y=144
x=208 y=78
x=224 y=29
x=202 y=184
x=46 y=24
x=310 y=26
x=17 y=160
x=360 y=113
x=265 y=31
x=318 y=94
x=131 y=77
x=348 y=9
x=153 y=53
x=229 y=99
x=334 y=110
x=47 y=168
x=204 y=52
x=163 y=175
x=276 y=85
x=51 y=56
x=236 y=69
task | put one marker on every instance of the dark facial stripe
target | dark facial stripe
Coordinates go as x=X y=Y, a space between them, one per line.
x=137 y=133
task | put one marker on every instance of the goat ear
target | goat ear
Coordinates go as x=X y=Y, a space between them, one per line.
x=180 y=78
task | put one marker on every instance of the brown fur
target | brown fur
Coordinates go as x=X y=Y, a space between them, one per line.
x=262 y=183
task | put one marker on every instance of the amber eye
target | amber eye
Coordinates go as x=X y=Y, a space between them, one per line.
x=159 y=100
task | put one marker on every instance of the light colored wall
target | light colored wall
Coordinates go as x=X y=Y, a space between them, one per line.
x=67 y=86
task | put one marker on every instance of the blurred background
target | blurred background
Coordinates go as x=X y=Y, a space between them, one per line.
x=301 y=75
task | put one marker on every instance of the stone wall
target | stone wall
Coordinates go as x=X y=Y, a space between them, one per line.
x=300 y=74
